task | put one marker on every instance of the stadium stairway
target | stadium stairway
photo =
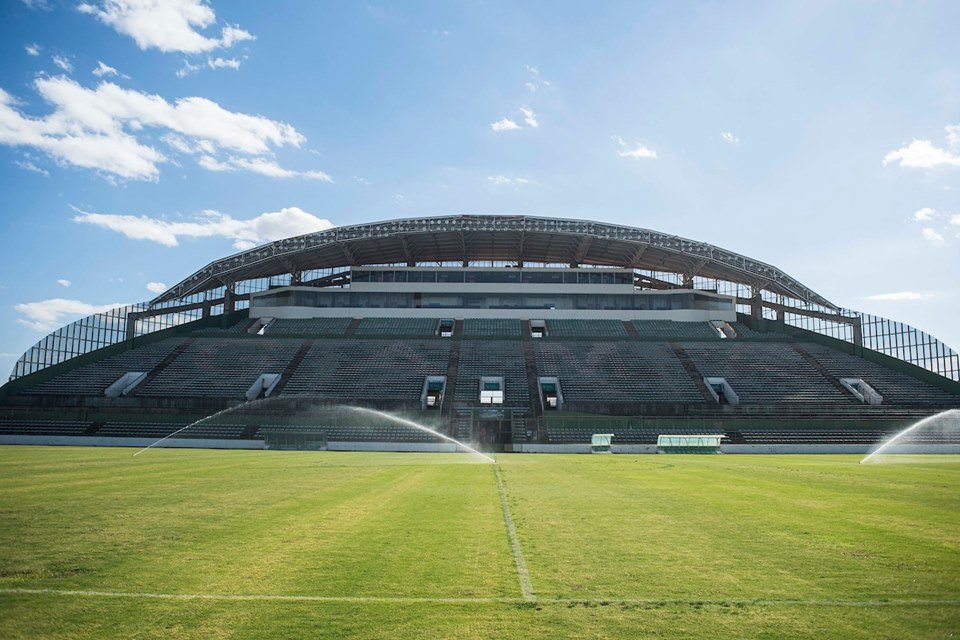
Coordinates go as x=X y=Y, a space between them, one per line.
x=822 y=370
x=453 y=365
x=693 y=372
x=166 y=362
x=291 y=369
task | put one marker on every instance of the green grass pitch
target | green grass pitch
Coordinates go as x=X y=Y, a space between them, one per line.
x=253 y=544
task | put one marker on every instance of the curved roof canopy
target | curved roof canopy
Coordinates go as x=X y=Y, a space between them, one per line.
x=469 y=238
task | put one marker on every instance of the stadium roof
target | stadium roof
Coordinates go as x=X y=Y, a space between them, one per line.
x=470 y=238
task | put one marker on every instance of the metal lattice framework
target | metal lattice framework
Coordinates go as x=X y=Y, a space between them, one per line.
x=468 y=239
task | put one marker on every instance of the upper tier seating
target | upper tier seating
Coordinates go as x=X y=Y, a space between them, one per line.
x=765 y=373
x=616 y=372
x=94 y=378
x=586 y=328
x=308 y=326
x=491 y=327
x=479 y=358
x=895 y=387
x=220 y=367
x=397 y=327
x=371 y=369
x=670 y=329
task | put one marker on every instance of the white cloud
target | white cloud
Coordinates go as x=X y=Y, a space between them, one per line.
x=168 y=25
x=504 y=180
x=104 y=70
x=933 y=236
x=213 y=63
x=156 y=287
x=953 y=134
x=529 y=117
x=534 y=81
x=955 y=219
x=506 y=124
x=47 y=315
x=922 y=215
x=899 y=296
x=729 y=137
x=108 y=128
x=290 y=221
x=63 y=282
x=640 y=151
x=922 y=154
x=30 y=166
x=63 y=62
x=32 y=49
x=263 y=166
x=37 y=4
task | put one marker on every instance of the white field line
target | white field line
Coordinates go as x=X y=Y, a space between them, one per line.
x=511 y=601
x=522 y=574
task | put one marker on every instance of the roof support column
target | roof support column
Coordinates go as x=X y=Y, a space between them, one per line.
x=229 y=298
x=756 y=303
x=857 y=332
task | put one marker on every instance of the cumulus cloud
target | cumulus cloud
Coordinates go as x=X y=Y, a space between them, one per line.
x=640 y=151
x=168 y=25
x=274 y=225
x=925 y=214
x=156 y=287
x=506 y=124
x=108 y=128
x=728 y=137
x=923 y=154
x=32 y=49
x=47 y=315
x=899 y=296
x=63 y=282
x=529 y=117
x=933 y=236
x=104 y=70
x=63 y=62
x=504 y=180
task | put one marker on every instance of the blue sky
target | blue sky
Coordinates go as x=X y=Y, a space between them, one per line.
x=822 y=137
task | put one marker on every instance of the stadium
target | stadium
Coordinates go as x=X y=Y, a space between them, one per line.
x=296 y=440
x=515 y=333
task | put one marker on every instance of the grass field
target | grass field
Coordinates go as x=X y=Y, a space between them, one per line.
x=244 y=544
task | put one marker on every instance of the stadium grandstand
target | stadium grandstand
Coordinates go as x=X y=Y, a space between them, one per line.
x=519 y=333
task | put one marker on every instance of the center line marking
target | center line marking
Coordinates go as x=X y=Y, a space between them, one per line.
x=522 y=574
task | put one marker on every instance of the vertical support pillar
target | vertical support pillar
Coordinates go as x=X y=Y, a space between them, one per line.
x=296 y=278
x=688 y=281
x=131 y=325
x=857 y=333
x=756 y=305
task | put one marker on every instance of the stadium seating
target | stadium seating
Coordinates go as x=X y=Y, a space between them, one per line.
x=670 y=329
x=572 y=433
x=895 y=387
x=397 y=327
x=616 y=372
x=44 y=427
x=491 y=327
x=765 y=373
x=308 y=326
x=357 y=433
x=504 y=358
x=369 y=369
x=220 y=367
x=586 y=328
x=93 y=379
